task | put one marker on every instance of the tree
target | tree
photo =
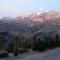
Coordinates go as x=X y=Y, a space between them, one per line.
x=16 y=45
x=50 y=42
x=25 y=44
x=10 y=48
x=57 y=40
x=41 y=46
x=34 y=42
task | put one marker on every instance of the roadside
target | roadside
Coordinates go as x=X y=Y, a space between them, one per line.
x=53 y=54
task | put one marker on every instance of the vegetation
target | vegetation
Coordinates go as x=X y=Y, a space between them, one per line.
x=49 y=42
x=18 y=45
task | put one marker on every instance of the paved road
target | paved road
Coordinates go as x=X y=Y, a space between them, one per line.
x=47 y=55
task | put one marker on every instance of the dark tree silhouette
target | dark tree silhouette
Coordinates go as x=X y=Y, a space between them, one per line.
x=57 y=40
x=34 y=42
x=16 y=45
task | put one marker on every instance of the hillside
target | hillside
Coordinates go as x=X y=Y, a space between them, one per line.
x=23 y=25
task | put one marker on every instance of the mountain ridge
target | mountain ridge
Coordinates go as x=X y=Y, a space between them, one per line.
x=43 y=22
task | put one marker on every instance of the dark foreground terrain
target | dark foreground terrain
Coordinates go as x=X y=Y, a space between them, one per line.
x=47 y=55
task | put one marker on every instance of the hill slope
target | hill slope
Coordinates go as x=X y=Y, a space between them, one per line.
x=42 y=22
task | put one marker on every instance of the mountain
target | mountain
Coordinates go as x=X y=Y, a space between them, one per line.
x=33 y=23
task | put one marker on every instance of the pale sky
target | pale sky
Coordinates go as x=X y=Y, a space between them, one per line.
x=12 y=8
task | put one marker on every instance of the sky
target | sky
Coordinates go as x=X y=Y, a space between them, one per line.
x=13 y=8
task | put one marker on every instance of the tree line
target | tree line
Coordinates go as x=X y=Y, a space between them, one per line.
x=20 y=45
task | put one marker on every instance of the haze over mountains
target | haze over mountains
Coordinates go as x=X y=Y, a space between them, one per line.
x=36 y=22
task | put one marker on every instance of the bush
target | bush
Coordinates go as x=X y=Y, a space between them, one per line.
x=21 y=50
x=10 y=49
x=25 y=45
x=15 y=54
x=49 y=42
x=40 y=45
x=4 y=55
